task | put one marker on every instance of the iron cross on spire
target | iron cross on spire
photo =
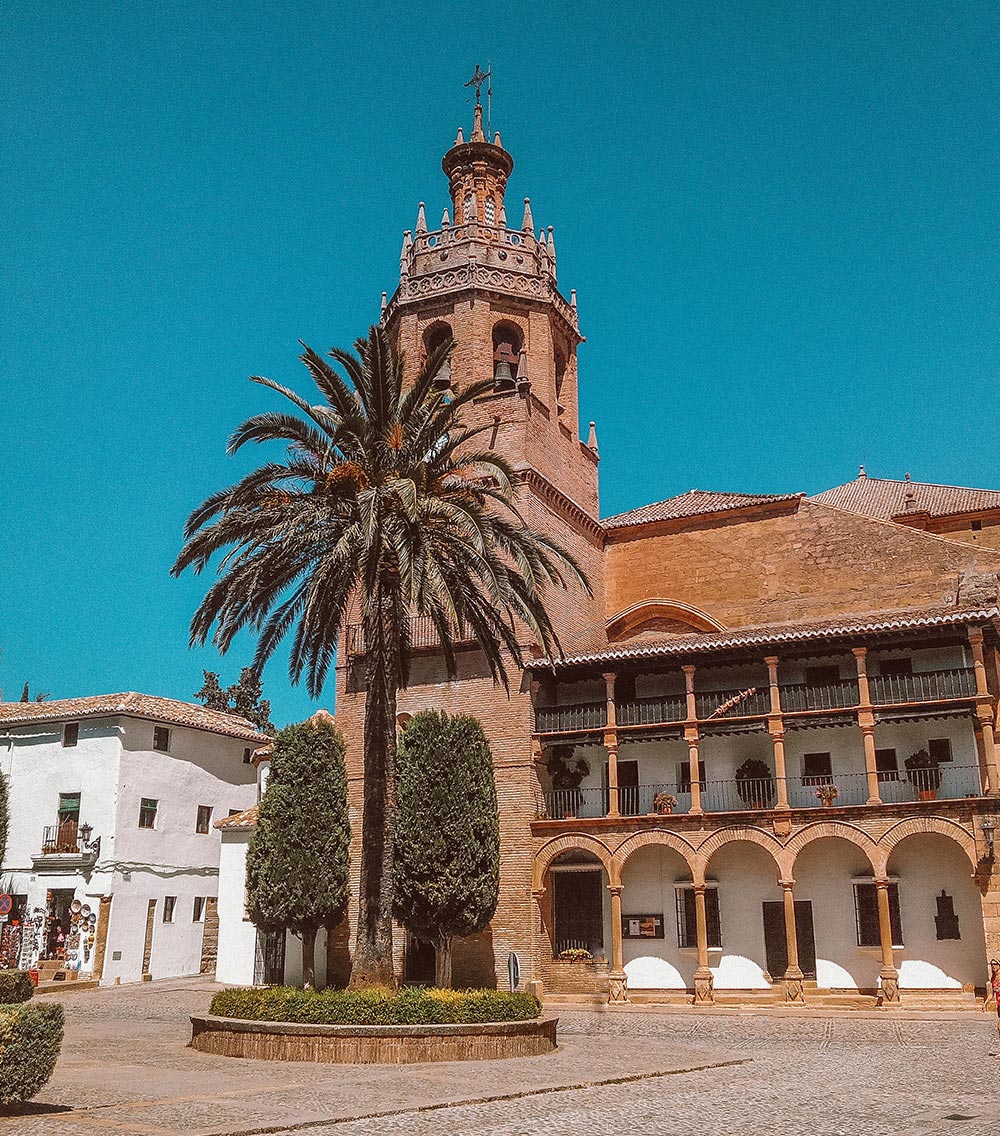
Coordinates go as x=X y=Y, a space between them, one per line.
x=479 y=78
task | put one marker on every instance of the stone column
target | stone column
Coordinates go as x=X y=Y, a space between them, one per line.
x=618 y=983
x=793 y=972
x=703 y=981
x=985 y=712
x=611 y=745
x=691 y=736
x=866 y=720
x=776 y=728
x=101 y=939
x=888 y=975
x=535 y=985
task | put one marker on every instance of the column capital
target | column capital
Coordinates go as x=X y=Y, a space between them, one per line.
x=883 y=884
x=609 y=676
x=616 y=889
x=867 y=729
x=699 y=889
x=859 y=652
x=537 y=894
x=975 y=633
x=787 y=884
x=689 y=668
x=771 y=660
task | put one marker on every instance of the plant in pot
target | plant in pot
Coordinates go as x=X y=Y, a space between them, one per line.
x=827 y=794
x=924 y=775
x=575 y=954
x=755 y=784
x=664 y=804
x=566 y=771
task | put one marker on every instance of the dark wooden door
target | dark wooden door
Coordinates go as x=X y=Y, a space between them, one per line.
x=775 y=947
x=577 y=910
x=269 y=959
x=628 y=788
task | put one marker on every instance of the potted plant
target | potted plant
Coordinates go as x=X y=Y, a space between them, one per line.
x=566 y=771
x=827 y=794
x=664 y=803
x=575 y=954
x=755 y=784
x=924 y=775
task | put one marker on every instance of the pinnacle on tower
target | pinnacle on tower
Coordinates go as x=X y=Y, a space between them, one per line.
x=477 y=134
x=592 y=438
x=445 y=220
x=459 y=138
x=528 y=224
x=421 y=219
x=552 y=251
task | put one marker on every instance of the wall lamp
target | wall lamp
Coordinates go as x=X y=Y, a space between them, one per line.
x=989 y=826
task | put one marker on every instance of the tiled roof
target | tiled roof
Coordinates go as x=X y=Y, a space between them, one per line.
x=133 y=705
x=239 y=821
x=778 y=633
x=692 y=504
x=884 y=498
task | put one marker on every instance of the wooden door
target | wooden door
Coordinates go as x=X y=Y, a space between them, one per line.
x=775 y=947
x=578 y=910
x=628 y=788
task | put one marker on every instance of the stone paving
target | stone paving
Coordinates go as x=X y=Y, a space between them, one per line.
x=125 y=1069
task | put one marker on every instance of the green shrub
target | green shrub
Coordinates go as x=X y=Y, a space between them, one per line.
x=374 y=1007
x=30 y=1036
x=15 y=986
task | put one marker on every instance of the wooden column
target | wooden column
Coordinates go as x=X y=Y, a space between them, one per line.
x=888 y=975
x=985 y=712
x=793 y=972
x=611 y=745
x=866 y=720
x=703 y=981
x=618 y=983
x=691 y=736
x=776 y=728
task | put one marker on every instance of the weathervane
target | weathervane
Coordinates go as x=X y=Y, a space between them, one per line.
x=477 y=80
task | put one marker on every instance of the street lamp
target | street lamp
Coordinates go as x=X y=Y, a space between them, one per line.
x=988 y=827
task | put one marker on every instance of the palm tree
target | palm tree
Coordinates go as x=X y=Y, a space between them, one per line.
x=383 y=499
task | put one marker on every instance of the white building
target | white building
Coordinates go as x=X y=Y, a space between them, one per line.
x=113 y=855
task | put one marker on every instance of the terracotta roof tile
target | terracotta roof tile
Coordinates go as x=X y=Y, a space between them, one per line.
x=239 y=821
x=133 y=705
x=692 y=504
x=777 y=633
x=885 y=498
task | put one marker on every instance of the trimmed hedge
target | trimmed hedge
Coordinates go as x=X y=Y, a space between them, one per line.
x=15 y=986
x=415 y=1006
x=30 y=1036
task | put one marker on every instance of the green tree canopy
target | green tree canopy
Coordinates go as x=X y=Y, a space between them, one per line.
x=297 y=862
x=386 y=500
x=243 y=698
x=447 y=865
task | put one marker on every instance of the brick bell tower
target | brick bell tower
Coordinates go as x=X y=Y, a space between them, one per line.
x=493 y=289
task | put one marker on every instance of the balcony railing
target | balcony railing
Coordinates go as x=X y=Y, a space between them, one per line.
x=925 y=686
x=761 y=794
x=61 y=838
x=716 y=705
x=566 y=719
x=423 y=635
x=819 y=696
x=652 y=711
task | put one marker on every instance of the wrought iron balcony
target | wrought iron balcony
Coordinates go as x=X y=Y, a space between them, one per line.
x=423 y=636
x=713 y=705
x=819 y=696
x=67 y=838
x=926 y=686
x=568 y=719
x=652 y=711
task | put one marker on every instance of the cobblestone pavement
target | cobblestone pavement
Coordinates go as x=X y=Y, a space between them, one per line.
x=125 y=1069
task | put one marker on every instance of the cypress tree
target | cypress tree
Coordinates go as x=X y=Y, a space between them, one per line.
x=447 y=857
x=4 y=818
x=297 y=862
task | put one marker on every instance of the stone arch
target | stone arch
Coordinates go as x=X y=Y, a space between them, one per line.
x=915 y=826
x=708 y=848
x=659 y=614
x=656 y=836
x=822 y=830
x=572 y=841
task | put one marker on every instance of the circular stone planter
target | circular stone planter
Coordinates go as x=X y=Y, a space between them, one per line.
x=366 y=1045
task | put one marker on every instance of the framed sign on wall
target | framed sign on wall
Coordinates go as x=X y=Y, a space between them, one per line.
x=642 y=926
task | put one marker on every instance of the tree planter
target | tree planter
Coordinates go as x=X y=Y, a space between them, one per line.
x=367 y=1045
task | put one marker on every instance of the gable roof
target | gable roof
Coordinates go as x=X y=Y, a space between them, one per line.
x=133 y=705
x=885 y=498
x=692 y=504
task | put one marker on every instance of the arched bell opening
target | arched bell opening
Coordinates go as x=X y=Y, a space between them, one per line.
x=434 y=337
x=508 y=344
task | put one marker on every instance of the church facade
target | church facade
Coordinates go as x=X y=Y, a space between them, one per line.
x=765 y=765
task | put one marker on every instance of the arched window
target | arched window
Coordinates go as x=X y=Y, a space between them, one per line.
x=469 y=209
x=434 y=336
x=507 y=344
x=491 y=215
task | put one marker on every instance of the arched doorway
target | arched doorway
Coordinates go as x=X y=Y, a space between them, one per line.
x=943 y=940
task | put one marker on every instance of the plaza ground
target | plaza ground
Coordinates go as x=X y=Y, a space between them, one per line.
x=125 y=1069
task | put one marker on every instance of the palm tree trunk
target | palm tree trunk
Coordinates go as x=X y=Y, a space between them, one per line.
x=442 y=964
x=373 y=962
x=309 y=958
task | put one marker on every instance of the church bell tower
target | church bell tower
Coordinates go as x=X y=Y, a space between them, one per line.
x=493 y=289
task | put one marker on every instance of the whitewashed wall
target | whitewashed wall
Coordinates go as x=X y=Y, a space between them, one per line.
x=237 y=935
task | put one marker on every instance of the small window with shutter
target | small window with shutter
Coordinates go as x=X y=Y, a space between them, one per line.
x=866 y=915
x=687 y=920
x=946 y=921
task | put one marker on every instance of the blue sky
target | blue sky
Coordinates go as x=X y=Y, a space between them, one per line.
x=780 y=218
